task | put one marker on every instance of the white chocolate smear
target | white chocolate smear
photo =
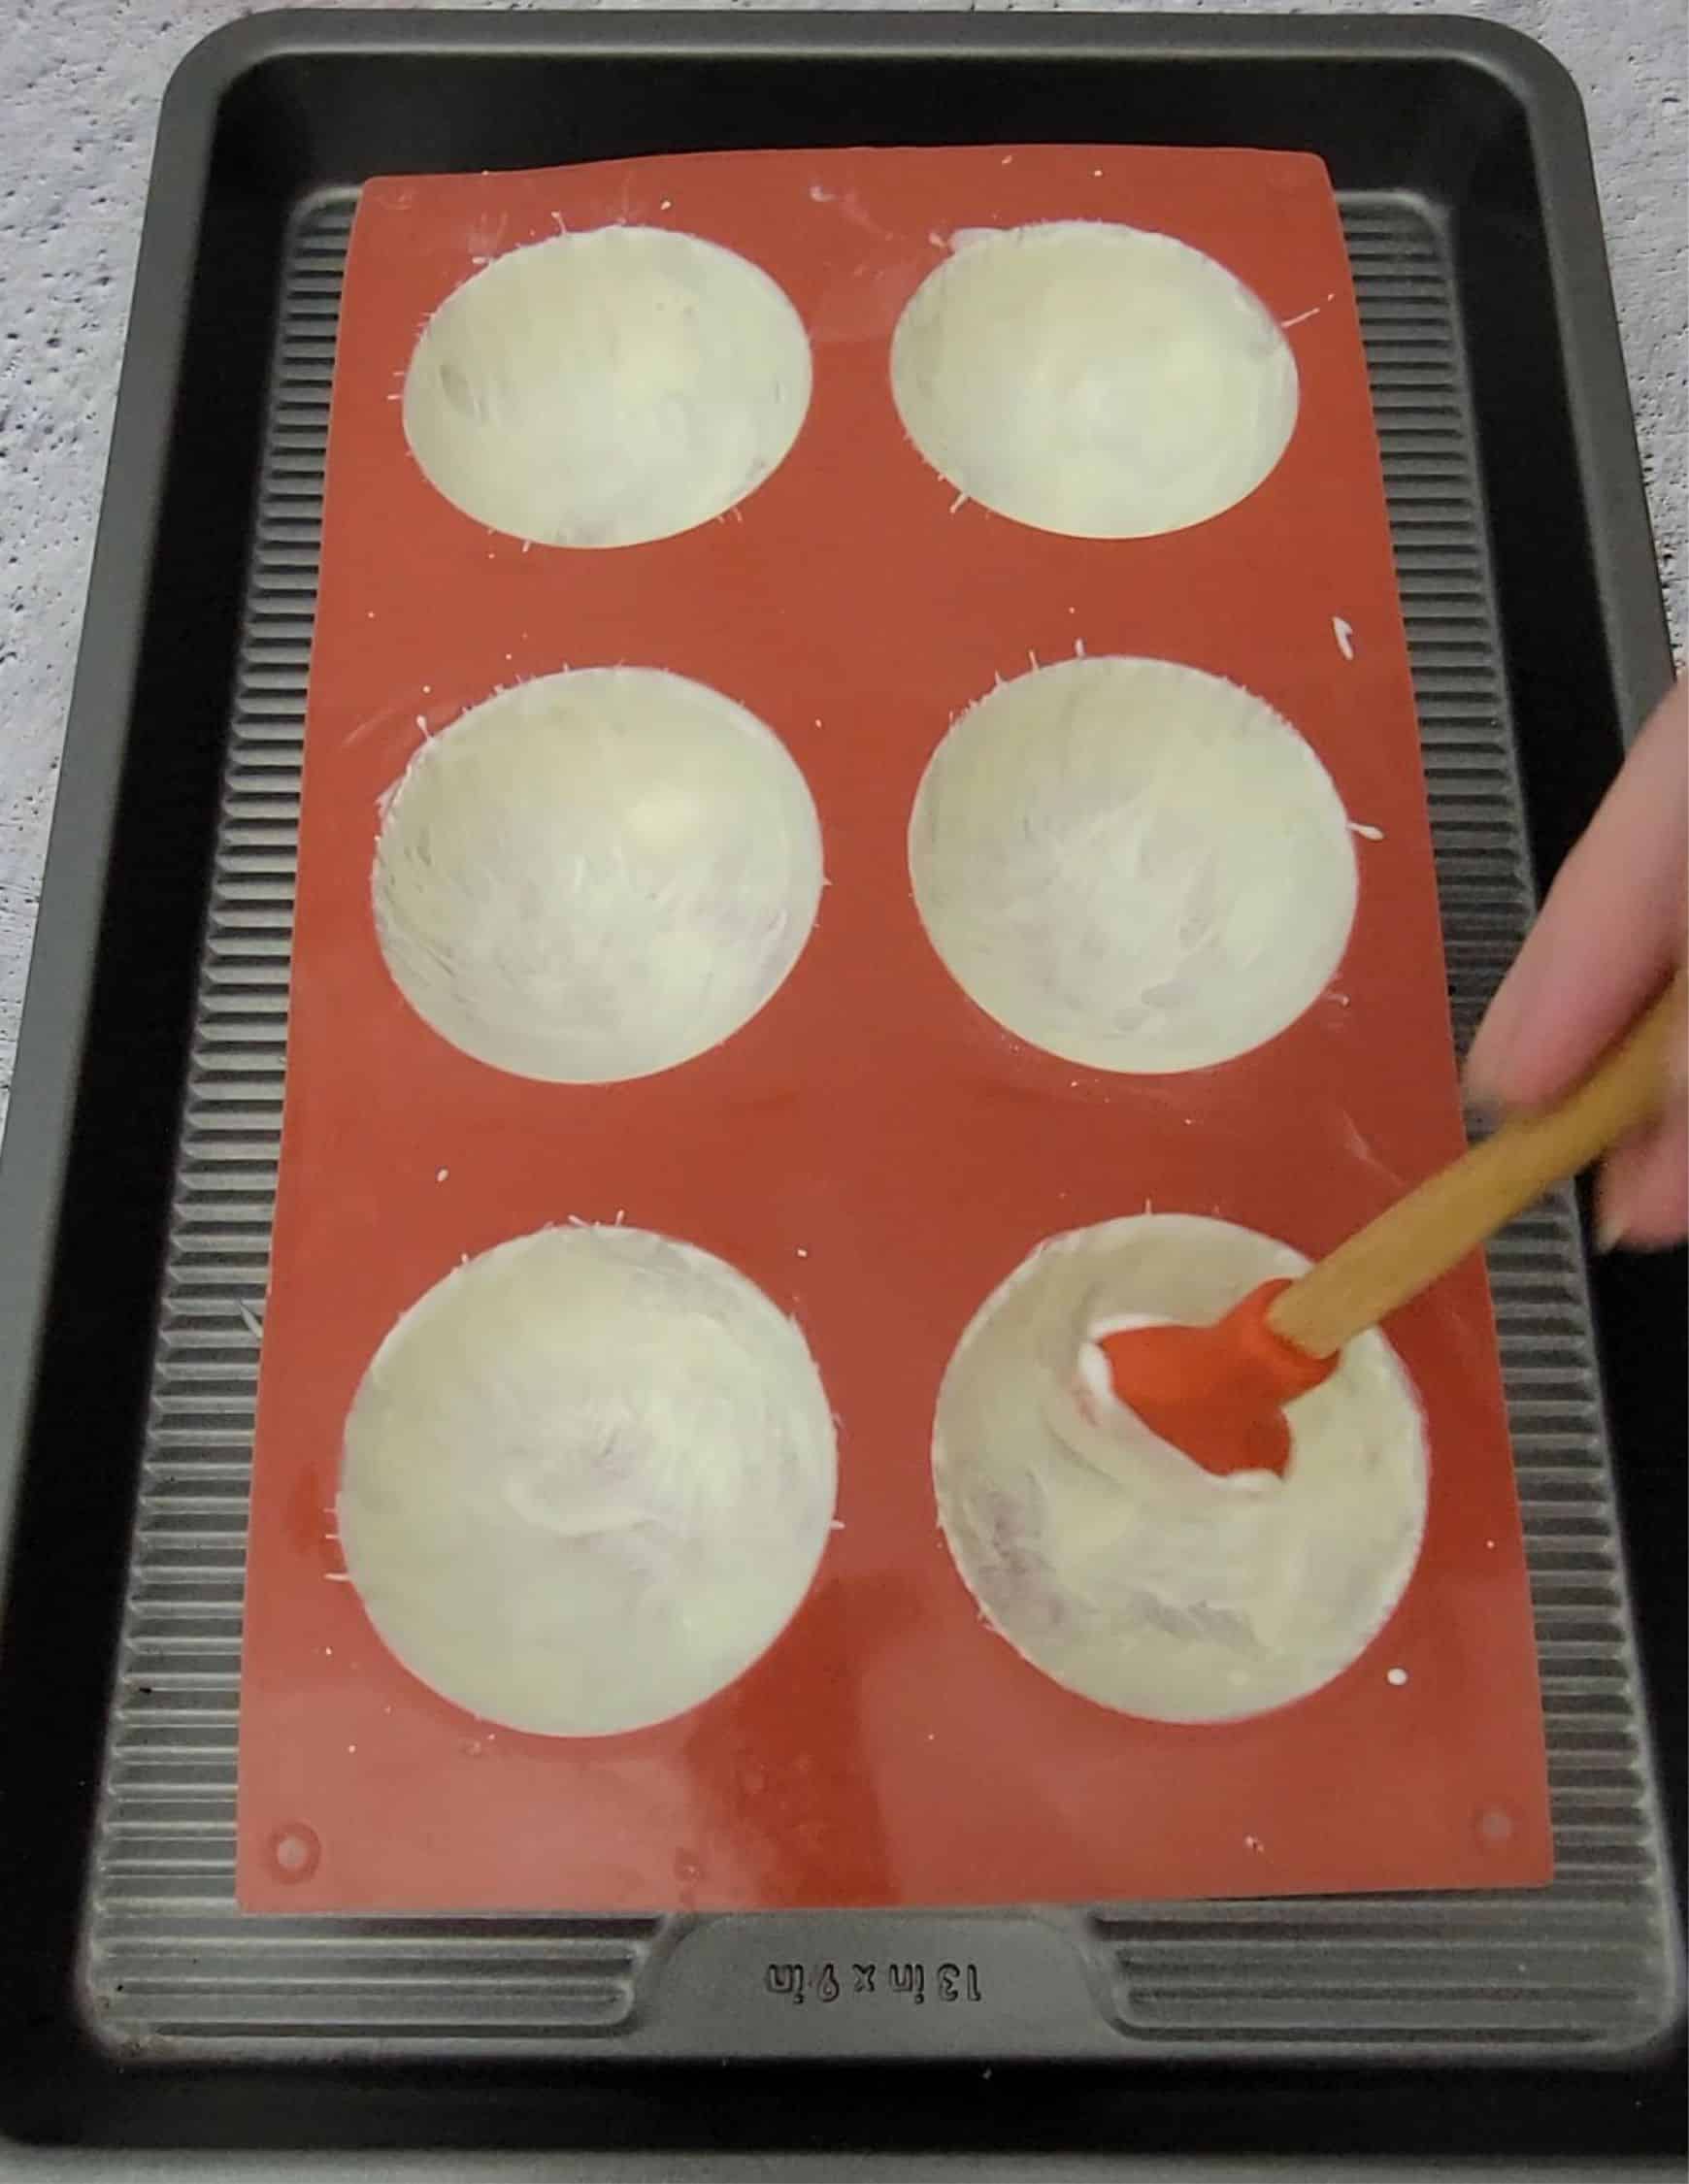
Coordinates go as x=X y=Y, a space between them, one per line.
x=596 y=875
x=587 y=1480
x=1153 y=1586
x=1099 y=380
x=1132 y=864
x=606 y=388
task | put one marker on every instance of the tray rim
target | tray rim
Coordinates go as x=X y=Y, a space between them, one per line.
x=57 y=1031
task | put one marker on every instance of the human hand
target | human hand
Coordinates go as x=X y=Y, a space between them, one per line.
x=1610 y=933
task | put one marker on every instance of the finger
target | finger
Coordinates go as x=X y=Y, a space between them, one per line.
x=1609 y=934
x=1642 y=1197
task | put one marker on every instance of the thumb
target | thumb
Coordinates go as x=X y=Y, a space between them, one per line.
x=1642 y=1197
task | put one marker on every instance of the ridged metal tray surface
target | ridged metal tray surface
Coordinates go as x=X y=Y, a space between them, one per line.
x=169 y=1967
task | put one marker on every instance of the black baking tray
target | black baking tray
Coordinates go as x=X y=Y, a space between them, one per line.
x=1476 y=129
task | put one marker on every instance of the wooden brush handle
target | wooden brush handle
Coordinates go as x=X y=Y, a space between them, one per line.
x=1434 y=1226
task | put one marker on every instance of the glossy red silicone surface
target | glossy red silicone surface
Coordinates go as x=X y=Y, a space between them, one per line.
x=871 y=1150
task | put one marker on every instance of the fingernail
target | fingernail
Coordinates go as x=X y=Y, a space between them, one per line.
x=1641 y=1245
x=1488 y=1050
x=1613 y=1210
x=1482 y=1113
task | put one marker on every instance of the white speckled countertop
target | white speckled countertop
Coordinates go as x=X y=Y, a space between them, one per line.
x=81 y=79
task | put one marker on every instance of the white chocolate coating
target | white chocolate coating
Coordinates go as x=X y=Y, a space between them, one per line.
x=1181 y=1596
x=596 y=875
x=1098 y=381
x=587 y=1481
x=1132 y=864
x=606 y=388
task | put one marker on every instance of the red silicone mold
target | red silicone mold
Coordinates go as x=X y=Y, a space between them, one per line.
x=871 y=1150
